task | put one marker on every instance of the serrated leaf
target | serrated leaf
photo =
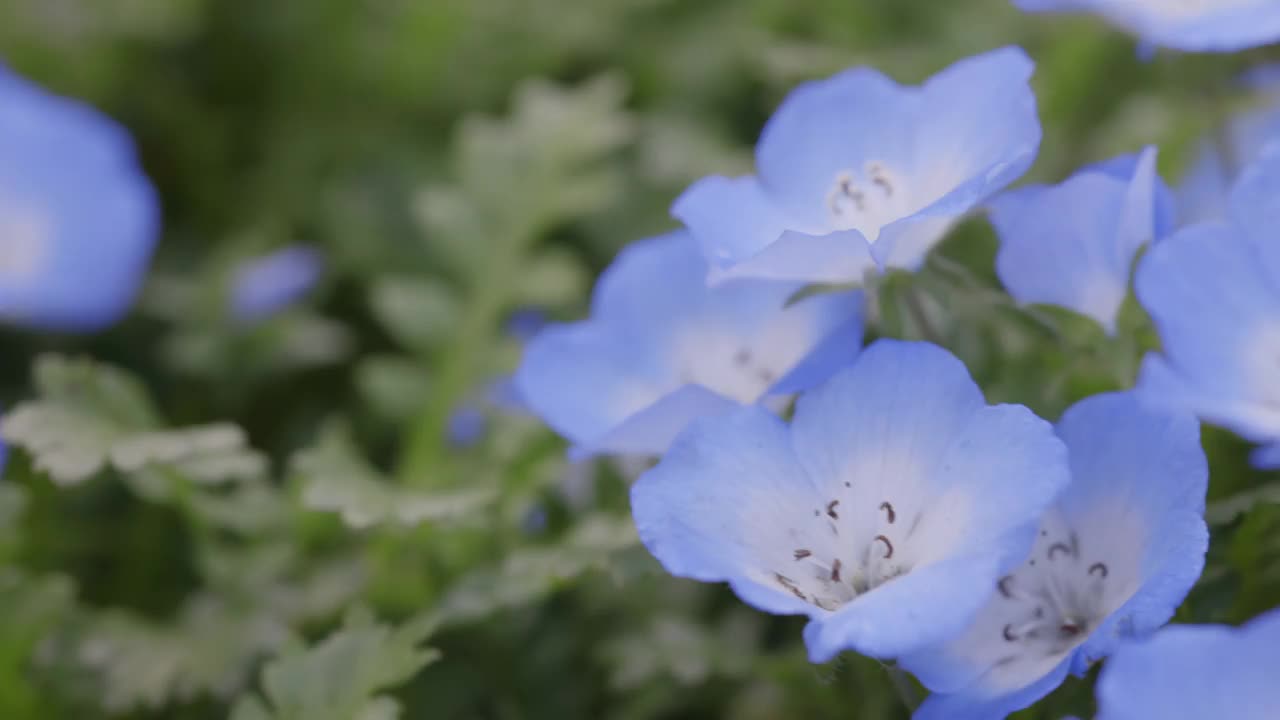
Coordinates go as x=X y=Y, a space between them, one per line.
x=418 y=312
x=526 y=575
x=341 y=677
x=337 y=479
x=90 y=415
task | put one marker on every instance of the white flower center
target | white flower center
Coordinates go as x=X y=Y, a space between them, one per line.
x=866 y=201
x=1053 y=601
x=848 y=567
x=24 y=239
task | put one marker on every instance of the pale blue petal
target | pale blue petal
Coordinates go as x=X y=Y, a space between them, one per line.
x=720 y=504
x=1195 y=671
x=1266 y=457
x=85 y=215
x=1072 y=244
x=915 y=610
x=965 y=706
x=651 y=429
x=838 y=257
x=1254 y=206
x=267 y=285
x=1209 y=27
x=837 y=351
x=1139 y=478
x=650 y=282
x=1218 y=315
x=825 y=127
x=732 y=219
x=1202 y=195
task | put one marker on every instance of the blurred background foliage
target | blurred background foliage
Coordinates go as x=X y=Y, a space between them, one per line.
x=336 y=513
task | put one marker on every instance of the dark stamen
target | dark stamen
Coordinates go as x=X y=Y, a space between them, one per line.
x=1003 y=586
x=888 y=546
x=787 y=583
x=1008 y=633
x=1059 y=547
x=888 y=511
x=1099 y=568
x=835 y=570
x=831 y=509
x=802 y=554
x=742 y=358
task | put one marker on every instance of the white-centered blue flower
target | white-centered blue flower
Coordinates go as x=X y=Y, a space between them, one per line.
x=1114 y=557
x=885 y=511
x=1191 y=25
x=856 y=172
x=78 y=219
x=661 y=348
x=264 y=286
x=1213 y=292
x=1194 y=672
x=1072 y=244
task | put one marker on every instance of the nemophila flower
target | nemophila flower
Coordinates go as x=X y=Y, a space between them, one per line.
x=78 y=219
x=1213 y=292
x=264 y=286
x=856 y=171
x=661 y=348
x=1203 y=193
x=1113 y=559
x=886 y=511
x=1072 y=244
x=1192 y=672
x=1191 y=25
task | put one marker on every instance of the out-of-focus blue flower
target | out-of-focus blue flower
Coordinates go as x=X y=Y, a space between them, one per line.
x=886 y=511
x=524 y=324
x=267 y=285
x=856 y=172
x=78 y=218
x=1213 y=292
x=1072 y=244
x=1191 y=672
x=1114 y=558
x=1191 y=25
x=466 y=426
x=1203 y=194
x=661 y=348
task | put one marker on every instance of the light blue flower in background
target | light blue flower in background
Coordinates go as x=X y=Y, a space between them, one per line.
x=1191 y=25
x=1114 y=558
x=78 y=219
x=1193 y=672
x=1213 y=292
x=1072 y=244
x=1203 y=193
x=886 y=511
x=857 y=172
x=264 y=286
x=661 y=348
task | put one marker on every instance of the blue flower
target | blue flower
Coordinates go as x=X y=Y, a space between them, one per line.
x=78 y=217
x=1114 y=558
x=885 y=512
x=857 y=172
x=1072 y=244
x=661 y=348
x=1213 y=292
x=264 y=286
x=1191 y=25
x=1196 y=671
x=1203 y=193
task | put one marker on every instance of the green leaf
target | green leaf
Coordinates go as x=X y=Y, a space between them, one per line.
x=394 y=386
x=337 y=479
x=341 y=677
x=416 y=311
x=91 y=415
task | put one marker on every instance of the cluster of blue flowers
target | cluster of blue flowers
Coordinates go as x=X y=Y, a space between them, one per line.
x=873 y=490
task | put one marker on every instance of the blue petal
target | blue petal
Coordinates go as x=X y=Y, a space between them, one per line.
x=1195 y=671
x=1071 y=244
x=1202 y=195
x=267 y=285
x=720 y=504
x=1208 y=292
x=844 y=256
x=829 y=126
x=966 y=706
x=651 y=429
x=918 y=609
x=1266 y=457
x=1136 y=501
x=732 y=219
x=71 y=188
x=1226 y=28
